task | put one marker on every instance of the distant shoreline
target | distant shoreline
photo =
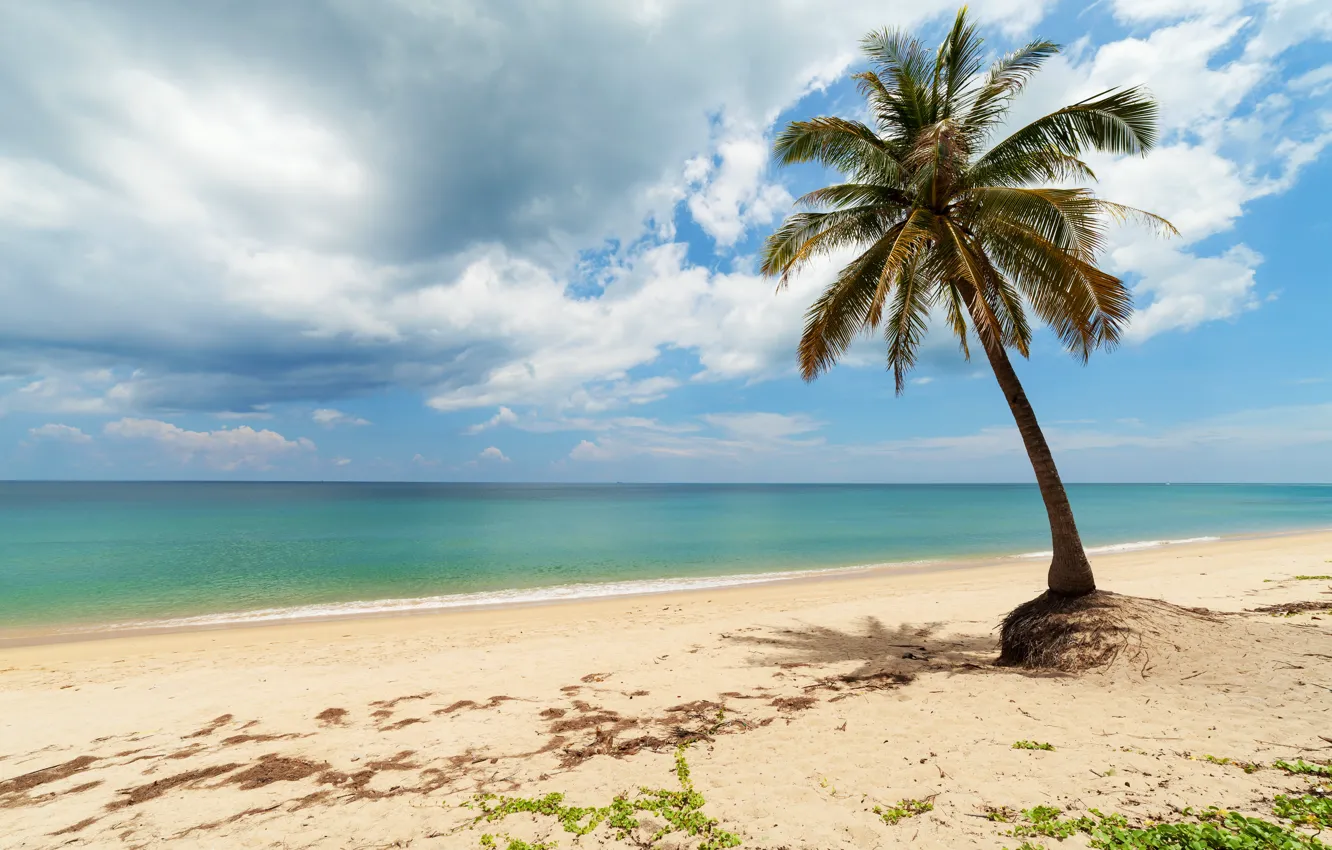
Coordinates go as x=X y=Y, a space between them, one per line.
x=586 y=594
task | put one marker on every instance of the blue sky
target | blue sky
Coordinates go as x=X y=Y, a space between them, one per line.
x=514 y=242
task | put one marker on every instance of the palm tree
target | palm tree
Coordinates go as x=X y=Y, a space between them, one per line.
x=947 y=216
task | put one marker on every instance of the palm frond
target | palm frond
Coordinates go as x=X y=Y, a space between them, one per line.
x=961 y=58
x=1122 y=213
x=1005 y=80
x=1017 y=166
x=908 y=242
x=956 y=309
x=809 y=234
x=1086 y=307
x=995 y=309
x=908 y=319
x=841 y=195
x=1119 y=121
x=843 y=145
x=1072 y=219
x=904 y=68
x=889 y=112
x=834 y=319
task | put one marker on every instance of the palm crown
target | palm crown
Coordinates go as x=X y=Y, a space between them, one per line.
x=943 y=218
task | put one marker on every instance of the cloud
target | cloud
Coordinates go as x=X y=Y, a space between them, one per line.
x=763 y=427
x=492 y=453
x=1146 y=10
x=59 y=433
x=228 y=211
x=504 y=416
x=742 y=435
x=1233 y=132
x=1187 y=291
x=340 y=461
x=730 y=196
x=1318 y=81
x=320 y=178
x=1248 y=431
x=226 y=448
x=328 y=417
x=589 y=450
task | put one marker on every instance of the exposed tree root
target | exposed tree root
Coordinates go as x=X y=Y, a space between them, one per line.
x=1072 y=633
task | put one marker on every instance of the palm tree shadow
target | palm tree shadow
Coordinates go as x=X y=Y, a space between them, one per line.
x=901 y=652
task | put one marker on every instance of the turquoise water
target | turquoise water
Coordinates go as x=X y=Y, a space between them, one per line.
x=96 y=553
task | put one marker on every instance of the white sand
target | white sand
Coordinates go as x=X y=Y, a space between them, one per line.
x=440 y=707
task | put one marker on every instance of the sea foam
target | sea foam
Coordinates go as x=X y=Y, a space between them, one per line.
x=487 y=599
x=1134 y=546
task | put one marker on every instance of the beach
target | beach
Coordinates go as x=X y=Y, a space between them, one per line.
x=806 y=704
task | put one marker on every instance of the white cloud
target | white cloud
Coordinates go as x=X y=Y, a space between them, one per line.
x=744 y=435
x=1265 y=428
x=504 y=416
x=492 y=453
x=1146 y=10
x=226 y=448
x=1232 y=133
x=88 y=393
x=328 y=417
x=1290 y=22
x=763 y=427
x=728 y=199
x=1187 y=291
x=59 y=433
x=340 y=461
x=1317 y=81
x=589 y=450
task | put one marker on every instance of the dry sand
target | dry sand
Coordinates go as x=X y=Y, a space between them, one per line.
x=812 y=702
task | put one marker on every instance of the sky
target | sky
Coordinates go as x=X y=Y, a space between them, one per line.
x=515 y=241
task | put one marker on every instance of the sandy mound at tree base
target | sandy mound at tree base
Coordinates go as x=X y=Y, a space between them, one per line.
x=1066 y=633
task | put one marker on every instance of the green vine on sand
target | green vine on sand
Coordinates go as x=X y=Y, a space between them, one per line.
x=681 y=810
x=1300 y=767
x=904 y=809
x=1214 y=829
x=1246 y=766
x=1313 y=810
x=488 y=842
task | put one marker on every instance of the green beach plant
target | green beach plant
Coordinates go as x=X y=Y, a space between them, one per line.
x=681 y=811
x=951 y=215
x=1246 y=766
x=1309 y=810
x=1213 y=829
x=1300 y=767
x=902 y=810
x=492 y=842
x=1032 y=745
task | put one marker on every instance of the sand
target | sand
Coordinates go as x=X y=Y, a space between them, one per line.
x=809 y=703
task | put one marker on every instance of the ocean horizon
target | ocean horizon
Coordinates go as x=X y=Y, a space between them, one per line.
x=92 y=555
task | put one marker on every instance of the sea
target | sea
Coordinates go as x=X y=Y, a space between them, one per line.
x=79 y=556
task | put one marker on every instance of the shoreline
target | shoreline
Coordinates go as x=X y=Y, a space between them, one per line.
x=990 y=566
x=808 y=702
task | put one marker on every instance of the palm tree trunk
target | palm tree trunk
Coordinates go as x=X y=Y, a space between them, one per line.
x=1070 y=573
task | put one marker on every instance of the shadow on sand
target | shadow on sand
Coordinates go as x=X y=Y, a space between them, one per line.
x=906 y=651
